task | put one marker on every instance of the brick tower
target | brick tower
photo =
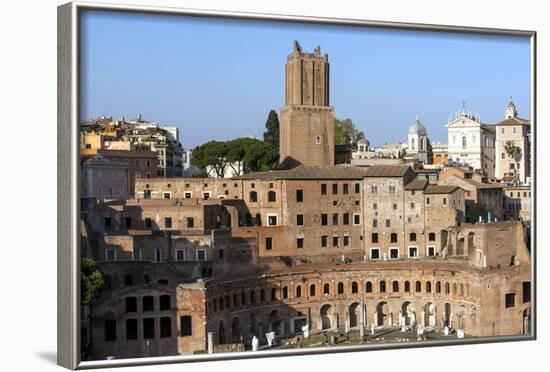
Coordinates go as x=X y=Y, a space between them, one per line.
x=307 y=120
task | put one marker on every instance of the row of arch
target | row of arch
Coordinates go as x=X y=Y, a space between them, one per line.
x=250 y=297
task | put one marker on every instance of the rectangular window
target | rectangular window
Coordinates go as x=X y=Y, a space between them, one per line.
x=272 y=220
x=346 y=188
x=186 y=326
x=148 y=223
x=394 y=253
x=412 y=205
x=107 y=222
x=374 y=205
x=335 y=219
x=268 y=244
x=375 y=253
x=158 y=255
x=165 y=327
x=180 y=255
x=510 y=300
x=201 y=255
x=110 y=330
x=335 y=241
x=346 y=218
x=324 y=241
x=299 y=242
x=166 y=195
x=128 y=222
x=413 y=252
x=356 y=219
x=190 y=222
x=131 y=329
x=148 y=303
x=374 y=223
x=136 y=254
x=334 y=189
x=428 y=201
x=323 y=189
x=206 y=195
x=526 y=291
x=374 y=238
x=388 y=223
x=110 y=255
x=187 y=195
x=431 y=251
x=412 y=237
x=393 y=238
x=346 y=240
x=299 y=196
x=300 y=219
x=168 y=222
x=148 y=328
x=394 y=206
x=357 y=188
x=444 y=201
x=324 y=219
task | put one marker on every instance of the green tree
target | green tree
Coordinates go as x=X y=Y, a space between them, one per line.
x=211 y=154
x=92 y=281
x=345 y=133
x=271 y=135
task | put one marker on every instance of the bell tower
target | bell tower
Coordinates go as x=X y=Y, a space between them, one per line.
x=307 y=119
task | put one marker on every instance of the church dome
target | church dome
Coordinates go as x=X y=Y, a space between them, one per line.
x=417 y=127
x=511 y=104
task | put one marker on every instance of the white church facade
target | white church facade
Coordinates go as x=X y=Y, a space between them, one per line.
x=471 y=143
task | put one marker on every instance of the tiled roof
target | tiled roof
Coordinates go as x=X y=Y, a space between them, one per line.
x=440 y=189
x=514 y=121
x=387 y=171
x=489 y=127
x=481 y=185
x=416 y=185
x=306 y=172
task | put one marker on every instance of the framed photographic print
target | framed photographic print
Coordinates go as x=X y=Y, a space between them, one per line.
x=237 y=185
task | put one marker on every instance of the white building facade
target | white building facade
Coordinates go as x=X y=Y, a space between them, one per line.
x=471 y=143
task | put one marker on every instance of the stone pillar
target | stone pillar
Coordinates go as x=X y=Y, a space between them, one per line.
x=362 y=320
x=210 y=342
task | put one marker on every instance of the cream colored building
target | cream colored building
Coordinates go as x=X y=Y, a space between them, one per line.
x=104 y=178
x=514 y=167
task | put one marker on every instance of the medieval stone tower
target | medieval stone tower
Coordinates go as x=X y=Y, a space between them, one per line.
x=307 y=120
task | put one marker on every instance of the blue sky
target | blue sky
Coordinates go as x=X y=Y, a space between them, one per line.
x=218 y=78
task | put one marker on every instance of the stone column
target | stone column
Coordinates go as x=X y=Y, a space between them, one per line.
x=362 y=319
x=210 y=342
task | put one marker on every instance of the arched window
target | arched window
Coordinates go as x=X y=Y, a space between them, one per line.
x=421 y=144
x=285 y=292
x=412 y=143
x=262 y=295
x=368 y=287
x=273 y=294
x=252 y=296
x=299 y=291
x=438 y=287
x=354 y=287
x=253 y=196
x=128 y=280
x=326 y=289
x=447 y=288
x=340 y=288
x=382 y=286
x=271 y=196
x=258 y=219
x=243 y=299
x=407 y=286
x=431 y=237
x=235 y=300
x=312 y=290
x=429 y=287
x=461 y=289
x=463 y=141
x=395 y=286
x=418 y=286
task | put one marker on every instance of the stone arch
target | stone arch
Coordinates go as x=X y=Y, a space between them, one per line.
x=276 y=324
x=326 y=316
x=236 y=330
x=460 y=246
x=354 y=314
x=430 y=316
x=447 y=314
x=408 y=312
x=221 y=333
x=383 y=314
